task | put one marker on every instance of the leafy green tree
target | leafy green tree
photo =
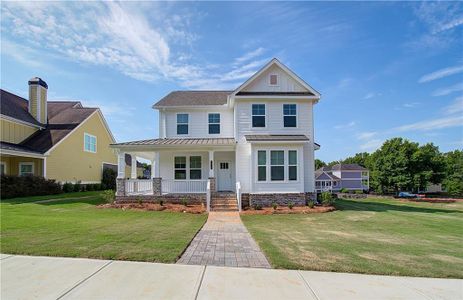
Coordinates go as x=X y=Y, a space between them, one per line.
x=453 y=181
x=427 y=166
x=361 y=159
x=319 y=163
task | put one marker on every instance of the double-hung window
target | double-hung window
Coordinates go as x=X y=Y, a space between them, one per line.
x=289 y=115
x=180 y=167
x=89 y=143
x=182 y=123
x=261 y=165
x=277 y=165
x=26 y=169
x=292 y=165
x=258 y=115
x=195 y=167
x=214 y=123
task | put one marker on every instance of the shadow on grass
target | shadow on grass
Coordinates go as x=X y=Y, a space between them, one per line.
x=92 y=200
x=349 y=205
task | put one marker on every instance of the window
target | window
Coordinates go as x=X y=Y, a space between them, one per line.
x=195 y=167
x=273 y=79
x=289 y=115
x=223 y=166
x=182 y=123
x=2 y=168
x=89 y=143
x=261 y=165
x=26 y=169
x=277 y=165
x=214 y=123
x=258 y=115
x=180 y=167
x=292 y=165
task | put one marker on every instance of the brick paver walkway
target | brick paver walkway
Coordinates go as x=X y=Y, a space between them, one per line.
x=224 y=241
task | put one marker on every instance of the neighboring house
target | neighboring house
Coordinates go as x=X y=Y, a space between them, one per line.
x=128 y=167
x=342 y=176
x=59 y=140
x=258 y=138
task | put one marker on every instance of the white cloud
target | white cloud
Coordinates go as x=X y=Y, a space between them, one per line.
x=366 y=135
x=441 y=74
x=371 y=95
x=371 y=145
x=122 y=36
x=411 y=104
x=345 y=126
x=455 y=107
x=433 y=124
x=448 y=90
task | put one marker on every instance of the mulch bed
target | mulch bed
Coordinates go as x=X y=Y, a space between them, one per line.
x=434 y=200
x=285 y=210
x=191 y=209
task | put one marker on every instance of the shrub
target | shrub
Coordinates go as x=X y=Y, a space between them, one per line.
x=77 y=187
x=274 y=205
x=184 y=202
x=22 y=186
x=344 y=190
x=98 y=187
x=310 y=204
x=89 y=187
x=257 y=206
x=290 y=205
x=140 y=201
x=161 y=202
x=68 y=187
x=108 y=180
x=359 y=192
x=327 y=199
x=108 y=196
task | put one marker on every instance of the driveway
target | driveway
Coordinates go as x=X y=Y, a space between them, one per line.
x=224 y=241
x=27 y=277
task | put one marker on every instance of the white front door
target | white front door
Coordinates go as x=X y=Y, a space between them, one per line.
x=224 y=176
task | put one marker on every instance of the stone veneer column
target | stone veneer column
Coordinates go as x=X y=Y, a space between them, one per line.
x=157 y=186
x=120 y=187
x=212 y=179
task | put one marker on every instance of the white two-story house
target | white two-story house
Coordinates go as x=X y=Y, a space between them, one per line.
x=255 y=142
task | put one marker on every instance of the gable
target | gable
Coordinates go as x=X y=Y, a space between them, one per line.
x=285 y=83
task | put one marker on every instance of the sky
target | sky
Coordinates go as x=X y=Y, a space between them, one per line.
x=384 y=69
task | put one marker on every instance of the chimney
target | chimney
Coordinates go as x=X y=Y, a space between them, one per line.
x=38 y=99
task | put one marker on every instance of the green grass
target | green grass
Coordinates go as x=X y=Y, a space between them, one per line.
x=73 y=226
x=374 y=236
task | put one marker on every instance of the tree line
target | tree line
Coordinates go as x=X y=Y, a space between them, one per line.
x=402 y=165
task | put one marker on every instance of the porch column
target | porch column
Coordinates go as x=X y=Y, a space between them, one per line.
x=133 y=174
x=157 y=165
x=121 y=165
x=211 y=163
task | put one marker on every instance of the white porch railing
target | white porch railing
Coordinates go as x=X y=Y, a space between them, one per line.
x=208 y=195
x=138 y=186
x=238 y=195
x=184 y=186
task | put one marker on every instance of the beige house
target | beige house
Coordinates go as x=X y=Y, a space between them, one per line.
x=59 y=140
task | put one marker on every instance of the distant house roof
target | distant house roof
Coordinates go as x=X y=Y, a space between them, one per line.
x=192 y=98
x=63 y=117
x=276 y=137
x=321 y=175
x=175 y=142
x=16 y=107
x=343 y=167
x=128 y=161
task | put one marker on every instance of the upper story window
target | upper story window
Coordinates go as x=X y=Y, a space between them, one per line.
x=182 y=123
x=26 y=169
x=89 y=143
x=273 y=79
x=290 y=115
x=214 y=123
x=258 y=115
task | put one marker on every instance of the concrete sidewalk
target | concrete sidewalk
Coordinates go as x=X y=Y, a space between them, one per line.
x=27 y=277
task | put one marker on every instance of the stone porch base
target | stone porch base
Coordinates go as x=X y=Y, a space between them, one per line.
x=266 y=200
x=169 y=198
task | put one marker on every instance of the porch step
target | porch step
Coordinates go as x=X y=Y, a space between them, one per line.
x=224 y=201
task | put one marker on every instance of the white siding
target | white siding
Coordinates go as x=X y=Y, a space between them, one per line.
x=198 y=123
x=243 y=166
x=285 y=82
x=166 y=166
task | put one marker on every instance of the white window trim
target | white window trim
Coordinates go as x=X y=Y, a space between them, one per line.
x=294 y=165
x=265 y=115
x=283 y=114
x=187 y=167
x=3 y=163
x=96 y=142
x=278 y=79
x=190 y=168
x=26 y=164
x=268 y=166
x=176 y=124
x=208 y=123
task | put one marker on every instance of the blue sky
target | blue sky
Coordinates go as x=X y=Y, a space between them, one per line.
x=384 y=69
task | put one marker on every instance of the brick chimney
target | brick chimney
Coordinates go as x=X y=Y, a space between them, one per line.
x=38 y=99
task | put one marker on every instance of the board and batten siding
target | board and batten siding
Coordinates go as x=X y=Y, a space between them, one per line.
x=198 y=126
x=285 y=82
x=12 y=164
x=15 y=133
x=68 y=162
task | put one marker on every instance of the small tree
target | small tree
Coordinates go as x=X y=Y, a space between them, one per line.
x=327 y=199
x=109 y=179
x=108 y=196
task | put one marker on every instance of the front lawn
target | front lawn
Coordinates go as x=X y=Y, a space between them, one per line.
x=73 y=226
x=375 y=236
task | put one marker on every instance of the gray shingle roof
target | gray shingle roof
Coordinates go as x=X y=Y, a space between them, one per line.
x=16 y=147
x=276 y=137
x=343 y=167
x=183 y=141
x=192 y=98
x=16 y=107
